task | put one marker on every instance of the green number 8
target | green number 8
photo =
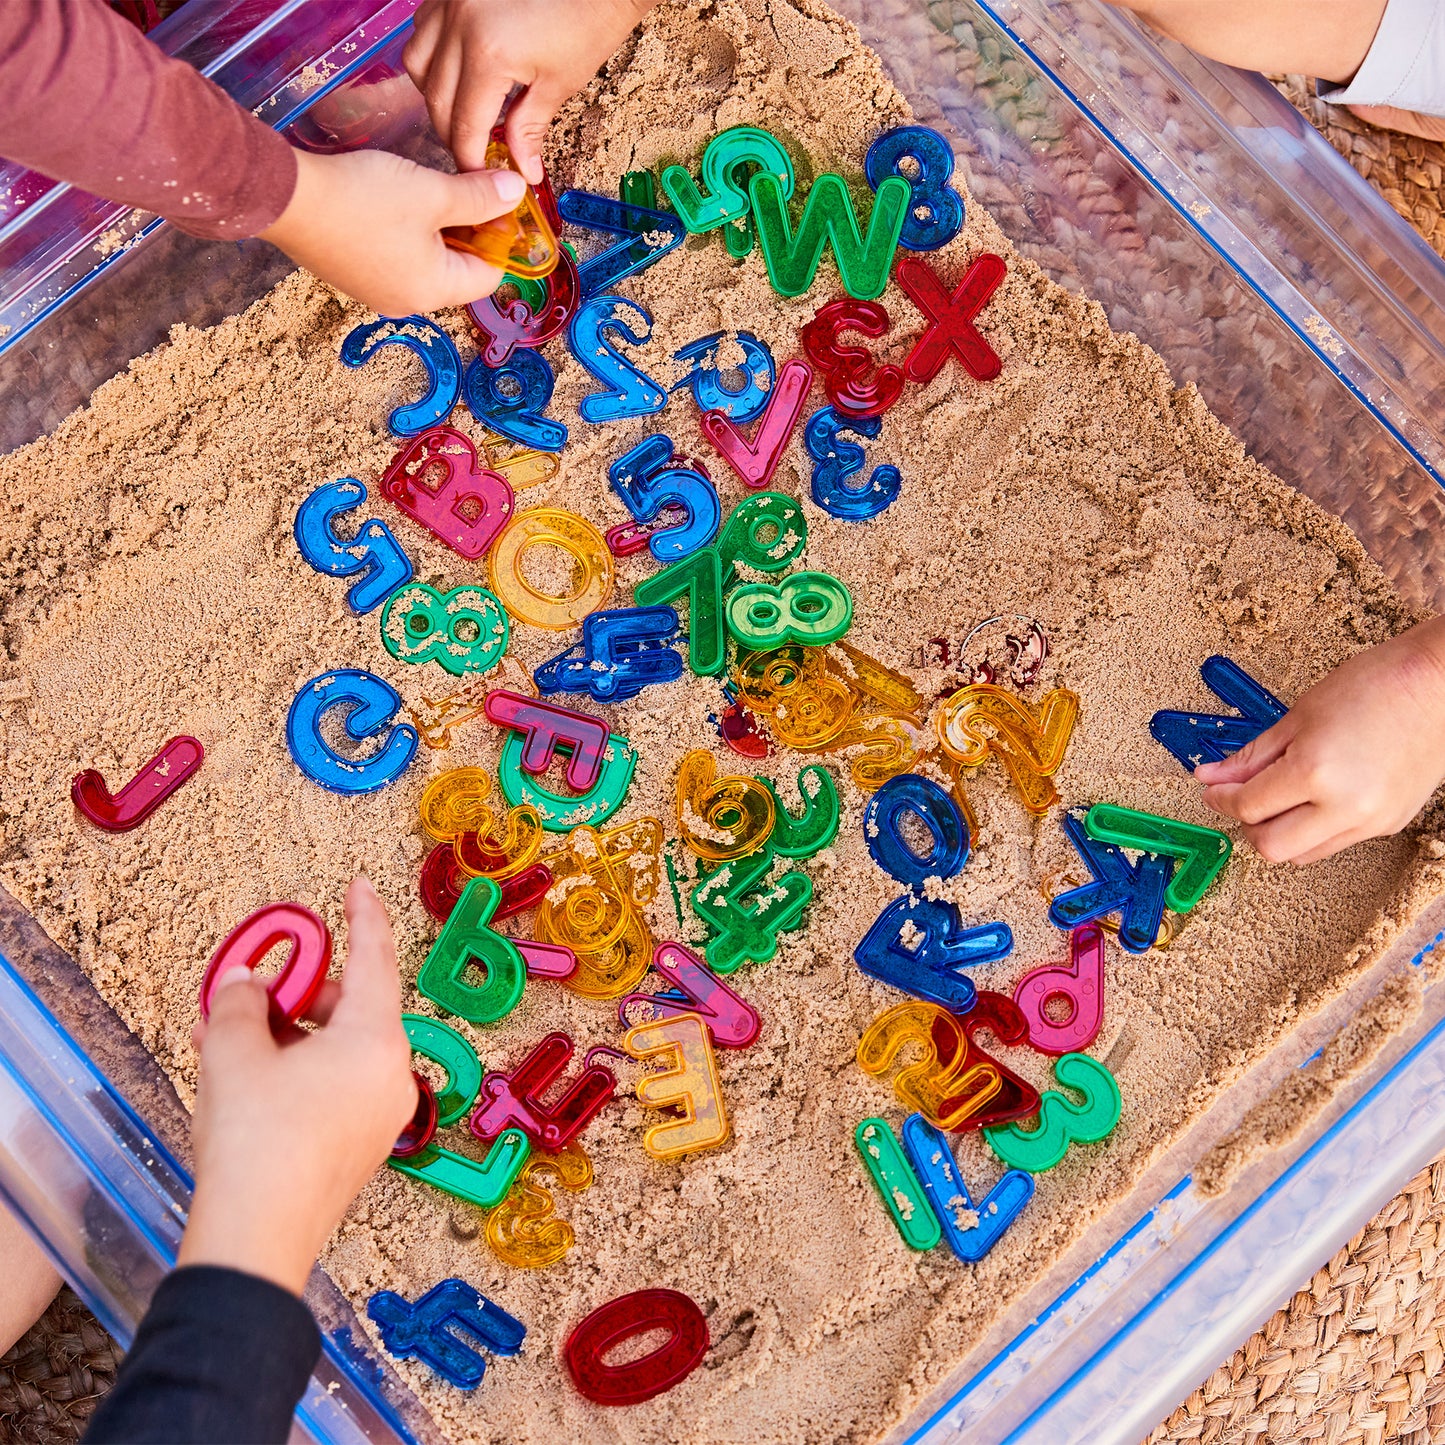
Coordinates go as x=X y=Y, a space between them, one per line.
x=808 y=607
x=1061 y=1121
x=465 y=630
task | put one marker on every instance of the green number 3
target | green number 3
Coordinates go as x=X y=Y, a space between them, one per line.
x=1061 y=1121
x=808 y=607
x=465 y=630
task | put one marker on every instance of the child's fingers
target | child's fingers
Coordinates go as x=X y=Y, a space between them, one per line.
x=480 y=95
x=370 y=986
x=1281 y=786
x=418 y=52
x=1331 y=846
x=1291 y=835
x=238 y=1032
x=1254 y=756
x=461 y=278
x=527 y=123
x=444 y=73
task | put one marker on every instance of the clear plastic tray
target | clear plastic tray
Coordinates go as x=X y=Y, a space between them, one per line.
x=1204 y=215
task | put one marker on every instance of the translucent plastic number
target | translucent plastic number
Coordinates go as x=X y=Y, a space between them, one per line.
x=765 y=532
x=920 y=798
x=806 y=707
x=807 y=607
x=512 y=400
x=935 y=209
x=592 y=568
x=626 y=390
x=373 y=556
x=857 y=386
x=464 y=631
x=705 y=379
x=454 y=809
x=726 y=201
x=467 y=943
x=506 y=325
x=523 y=240
x=802 y=836
x=523 y=1229
x=882 y=746
x=747 y=911
x=981 y=719
x=646 y=235
x=605 y=880
x=438 y=353
x=943 y=1085
x=835 y=461
x=721 y=818
x=689 y=1089
x=1062 y=1121
x=650 y=477
x=634 y=1380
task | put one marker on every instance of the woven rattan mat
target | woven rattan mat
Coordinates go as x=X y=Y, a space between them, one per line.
x=51 y=1380
x=1356 y=1358
x=1408 y=171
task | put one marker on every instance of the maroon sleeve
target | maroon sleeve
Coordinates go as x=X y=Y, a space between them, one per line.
x=86 y=98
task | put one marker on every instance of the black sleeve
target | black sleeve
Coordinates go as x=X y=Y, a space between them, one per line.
x=221 y=1358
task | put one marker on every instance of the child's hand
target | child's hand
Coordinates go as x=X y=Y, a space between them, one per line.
x=466 y=56
x=1356 y=757
x=286 y=1132
x=370 y=223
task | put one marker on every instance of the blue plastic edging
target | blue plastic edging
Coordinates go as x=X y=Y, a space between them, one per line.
x=1229 y=1231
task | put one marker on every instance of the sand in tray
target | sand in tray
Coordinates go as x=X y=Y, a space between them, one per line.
x=152 y=586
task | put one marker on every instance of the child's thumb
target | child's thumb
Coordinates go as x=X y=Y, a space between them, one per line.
x=239 y=1023
x=476 y=196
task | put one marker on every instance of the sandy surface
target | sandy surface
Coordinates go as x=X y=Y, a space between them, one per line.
x=152 y=586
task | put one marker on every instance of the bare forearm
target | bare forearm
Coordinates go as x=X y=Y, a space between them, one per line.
x=1325 y=38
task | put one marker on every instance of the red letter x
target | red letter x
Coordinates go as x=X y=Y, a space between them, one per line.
x=950 y=318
